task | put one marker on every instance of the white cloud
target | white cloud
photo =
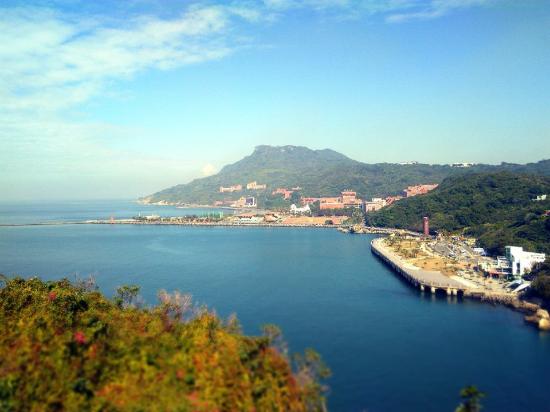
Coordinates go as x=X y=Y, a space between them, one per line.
x=432 y=9
x=52 y=61
x=208 y=169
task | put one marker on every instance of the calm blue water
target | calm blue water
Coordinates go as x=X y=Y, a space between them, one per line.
x=77 y=211
x=389 y=348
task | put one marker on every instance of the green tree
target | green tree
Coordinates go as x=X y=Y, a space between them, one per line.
x=471 y=397
x=126 y=295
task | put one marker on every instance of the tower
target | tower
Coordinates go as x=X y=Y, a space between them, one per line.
x=426 y=225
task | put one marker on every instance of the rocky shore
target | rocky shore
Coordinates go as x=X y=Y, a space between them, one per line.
x=541 y=319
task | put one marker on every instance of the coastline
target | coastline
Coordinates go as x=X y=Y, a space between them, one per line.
x=207 y=224
x=431 y=282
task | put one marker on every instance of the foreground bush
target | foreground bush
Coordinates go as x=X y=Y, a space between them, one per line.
x=67 y=347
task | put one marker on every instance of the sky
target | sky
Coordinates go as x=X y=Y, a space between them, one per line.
x=119 y=99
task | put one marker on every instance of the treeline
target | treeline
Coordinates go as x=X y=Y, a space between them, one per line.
x=67 y=347
x=498 y=209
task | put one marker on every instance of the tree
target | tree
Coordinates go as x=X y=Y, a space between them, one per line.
x=471 y=397
x=126 y=295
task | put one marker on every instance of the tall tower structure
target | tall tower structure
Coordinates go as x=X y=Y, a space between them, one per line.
x=426 y=225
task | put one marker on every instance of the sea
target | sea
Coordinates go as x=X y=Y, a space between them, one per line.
x=389 y=347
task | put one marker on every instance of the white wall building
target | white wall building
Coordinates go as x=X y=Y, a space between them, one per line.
x=300 y=210
x=522 y=261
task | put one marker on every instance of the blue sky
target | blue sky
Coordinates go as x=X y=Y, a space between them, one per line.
x=120 y=99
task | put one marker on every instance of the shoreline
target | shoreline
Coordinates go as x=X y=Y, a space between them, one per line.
x=211 y=224
x=421 y=280
x=341 y=228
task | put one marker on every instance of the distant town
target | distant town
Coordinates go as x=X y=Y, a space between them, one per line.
x=347 y=199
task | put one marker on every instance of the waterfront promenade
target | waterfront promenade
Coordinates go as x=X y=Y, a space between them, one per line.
x=423 y=279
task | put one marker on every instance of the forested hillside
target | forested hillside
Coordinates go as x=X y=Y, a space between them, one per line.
x=497 y=208
x=318 y=173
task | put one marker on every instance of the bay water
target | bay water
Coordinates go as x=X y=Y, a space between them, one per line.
x=390 y=348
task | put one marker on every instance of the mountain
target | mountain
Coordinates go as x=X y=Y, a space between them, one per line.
x=318 y=173
x=497 y=208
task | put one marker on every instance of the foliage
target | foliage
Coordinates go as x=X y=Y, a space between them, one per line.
x=471 y=397
x=541 y=280
x=66 y=347
x=496 y=208
x=319 y=173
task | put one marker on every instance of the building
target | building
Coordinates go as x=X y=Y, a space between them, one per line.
x=426 y=225
x=331 y=203
x=255 y=186
x=418 y=190
x=462 y=165
x=249 y=201
x=347 y=199
x=392 y=199
x=231 y=189
x=300 y=210
x=496 y=268
x=282 y=191
x=522 y=261
x=375 y=204
x=310 y=200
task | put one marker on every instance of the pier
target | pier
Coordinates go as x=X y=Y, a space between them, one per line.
x=430 y=281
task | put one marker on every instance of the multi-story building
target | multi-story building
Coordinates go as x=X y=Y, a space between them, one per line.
x=331 y=203
x=249 y=201
x=347 y=199
x=375 y=204
x=310 y=200
x=255 y=186
x=231 y=189
x=522 y=261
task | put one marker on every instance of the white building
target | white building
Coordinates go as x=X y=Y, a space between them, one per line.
x=300 y=210
x=522 y=261
x=377 y=203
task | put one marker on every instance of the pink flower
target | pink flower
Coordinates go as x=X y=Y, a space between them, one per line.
x=79 y=337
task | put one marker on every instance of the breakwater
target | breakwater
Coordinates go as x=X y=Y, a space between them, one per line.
x=157 y=223
x=437 y=282
x=432 y=281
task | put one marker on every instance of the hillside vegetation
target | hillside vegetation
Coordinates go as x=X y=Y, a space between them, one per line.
x=66 y=347
x=318 y=173
x=497 y=208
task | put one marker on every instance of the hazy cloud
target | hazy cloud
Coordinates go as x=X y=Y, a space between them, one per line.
x=55 y=59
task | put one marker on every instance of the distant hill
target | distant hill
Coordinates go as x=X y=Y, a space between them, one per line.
x=318 y=173
x=497 y=208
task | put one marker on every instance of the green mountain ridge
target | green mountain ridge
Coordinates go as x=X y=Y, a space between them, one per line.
x=319 y=173
x=498 y=208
